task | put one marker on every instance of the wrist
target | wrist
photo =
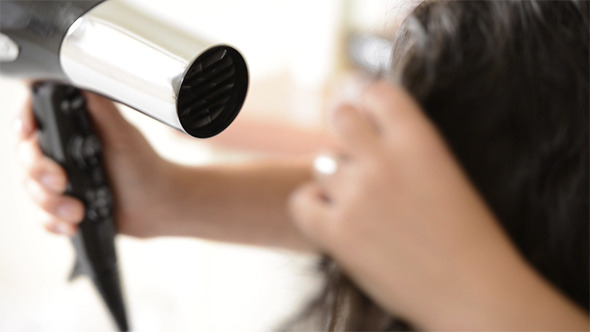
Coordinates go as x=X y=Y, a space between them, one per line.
x=170 y=196
x=153 y=212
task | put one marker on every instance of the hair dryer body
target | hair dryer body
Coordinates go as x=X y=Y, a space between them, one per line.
x=113 y=49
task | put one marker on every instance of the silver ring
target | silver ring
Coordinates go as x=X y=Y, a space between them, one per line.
x=325 y=165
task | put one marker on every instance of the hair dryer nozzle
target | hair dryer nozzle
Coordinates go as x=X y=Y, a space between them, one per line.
x=168 y=74
x=212 y=92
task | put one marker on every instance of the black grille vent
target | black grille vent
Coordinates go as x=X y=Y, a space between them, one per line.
x=212 y=92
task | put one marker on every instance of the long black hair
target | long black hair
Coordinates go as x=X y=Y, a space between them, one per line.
x=507 y=84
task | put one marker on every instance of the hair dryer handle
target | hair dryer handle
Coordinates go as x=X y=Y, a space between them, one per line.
x=67 y=136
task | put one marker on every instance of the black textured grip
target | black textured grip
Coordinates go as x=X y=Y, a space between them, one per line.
x=66 y=135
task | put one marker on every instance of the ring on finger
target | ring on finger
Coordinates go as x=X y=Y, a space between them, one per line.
x=325 y=165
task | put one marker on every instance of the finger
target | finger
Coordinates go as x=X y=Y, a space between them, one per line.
x=64 y=208
x=107 y=118
x=403 y=123
x=331 y=172
x=41 y=168
x=24 y=123
x=350 y=89
x=309 y=208
x=390 y=106
x=354 y=130
x=50 y=175
x=28 y=151
x=56 y=226
x=326 y=164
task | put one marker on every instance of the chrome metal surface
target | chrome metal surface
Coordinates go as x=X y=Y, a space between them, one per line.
x=8 y=49
x=118 y=51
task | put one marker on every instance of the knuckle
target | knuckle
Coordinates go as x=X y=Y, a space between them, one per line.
x=343 y=119
x=24 y=154
x=47 y=220
x=309 y=215
x=377 y=96
x=50 y=225
x=44 y=199
x=60 y=228
x=35 y=171
x=49 y=203
x=412 y=140
x=49 y=175
x=387 y=93
x=378 y=89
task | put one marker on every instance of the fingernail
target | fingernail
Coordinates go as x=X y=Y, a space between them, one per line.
x=67 y=211
x=51 y=182
x=19 y=127
x=64 y=229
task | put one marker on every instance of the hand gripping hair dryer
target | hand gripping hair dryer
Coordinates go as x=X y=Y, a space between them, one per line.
x=110 y=48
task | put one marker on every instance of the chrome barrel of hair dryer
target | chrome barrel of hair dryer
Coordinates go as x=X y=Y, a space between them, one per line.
x=110 y=48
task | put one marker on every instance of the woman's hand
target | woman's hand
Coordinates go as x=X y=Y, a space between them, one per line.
x=403 y=219
x=137 y=174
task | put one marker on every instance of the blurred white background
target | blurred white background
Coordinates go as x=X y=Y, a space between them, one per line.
x=294 y=49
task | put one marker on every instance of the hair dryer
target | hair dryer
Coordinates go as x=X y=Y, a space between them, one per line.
x=115 y=50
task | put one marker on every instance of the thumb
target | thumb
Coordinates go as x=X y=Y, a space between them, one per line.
x=109 y=122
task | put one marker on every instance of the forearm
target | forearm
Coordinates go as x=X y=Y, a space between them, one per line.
x=504 y=292
x=529 y=302
x=243 y=203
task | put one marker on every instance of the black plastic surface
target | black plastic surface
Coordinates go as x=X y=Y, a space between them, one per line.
x=38 y=28
x=212 y=92
x=67 y=136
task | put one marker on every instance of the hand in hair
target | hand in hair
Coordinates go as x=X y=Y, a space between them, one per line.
x=407 y=225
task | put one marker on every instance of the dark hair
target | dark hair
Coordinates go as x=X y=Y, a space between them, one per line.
x=507 y=84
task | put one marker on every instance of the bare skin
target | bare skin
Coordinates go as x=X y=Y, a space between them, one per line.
x=425 y=244
x=398 y=214
x=154 y=197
